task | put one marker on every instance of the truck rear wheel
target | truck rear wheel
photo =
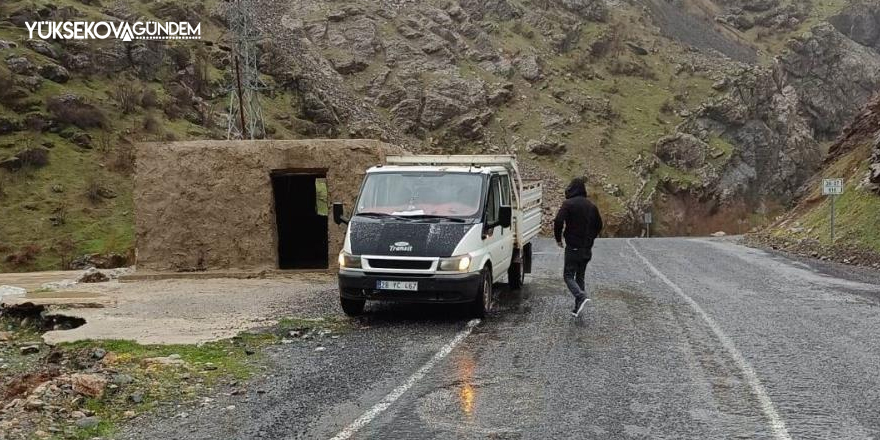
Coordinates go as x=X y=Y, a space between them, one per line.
x=482 y=304
x=352 y=307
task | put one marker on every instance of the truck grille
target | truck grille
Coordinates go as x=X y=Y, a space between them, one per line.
x=400 y=264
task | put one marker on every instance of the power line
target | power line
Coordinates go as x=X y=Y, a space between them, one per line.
x=245 y=117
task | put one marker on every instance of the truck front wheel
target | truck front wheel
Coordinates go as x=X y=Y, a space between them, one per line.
x=352 y=307
x=482 y=304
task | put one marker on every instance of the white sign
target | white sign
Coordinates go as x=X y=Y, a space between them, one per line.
x=649 y=218
x=102 y=30
x=832 y=187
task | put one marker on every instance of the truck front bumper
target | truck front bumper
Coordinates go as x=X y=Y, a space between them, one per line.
x=437 y=288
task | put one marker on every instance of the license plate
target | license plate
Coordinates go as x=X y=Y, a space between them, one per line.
x=398 y=285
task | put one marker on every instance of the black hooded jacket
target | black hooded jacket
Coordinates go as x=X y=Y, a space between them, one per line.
x=578 y=218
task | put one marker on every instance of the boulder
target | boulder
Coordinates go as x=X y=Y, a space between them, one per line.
x=501 y=95
x=93 y=275
x=99 y=261
x=682 y=150
x=78 y=62
x=4 y=44
x=545 y=148
x=146 y=58
x=529 y=68
x=88 y=422
x=21 y=66
x=91 y=385
x=43 y=48
x=595 y=10
x=348 y=65
x=54 y=72
x=30 y=82
x=471 y=127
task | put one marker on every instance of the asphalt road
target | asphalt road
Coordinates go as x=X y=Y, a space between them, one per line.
x=684 y=339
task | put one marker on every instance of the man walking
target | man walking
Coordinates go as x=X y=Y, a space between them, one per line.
x=579 y=222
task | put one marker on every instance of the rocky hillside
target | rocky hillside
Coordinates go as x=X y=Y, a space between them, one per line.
x=704 y=111
x=855 y=156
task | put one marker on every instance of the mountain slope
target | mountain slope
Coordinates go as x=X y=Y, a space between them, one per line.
x=644 y=97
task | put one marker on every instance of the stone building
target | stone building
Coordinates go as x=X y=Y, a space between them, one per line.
x=245 y=205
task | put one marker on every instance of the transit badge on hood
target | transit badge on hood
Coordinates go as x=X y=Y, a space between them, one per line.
x=388 y=238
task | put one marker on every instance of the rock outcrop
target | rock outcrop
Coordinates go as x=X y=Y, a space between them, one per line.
x=682 y=150
x=862 y=134
x=860 y=21
x=407 y=61
x=776 y=117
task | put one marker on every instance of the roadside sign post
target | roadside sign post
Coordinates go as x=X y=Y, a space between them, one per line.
x=648 y=220
x=832 y=188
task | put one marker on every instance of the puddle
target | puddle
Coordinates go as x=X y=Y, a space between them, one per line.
x=34 y=316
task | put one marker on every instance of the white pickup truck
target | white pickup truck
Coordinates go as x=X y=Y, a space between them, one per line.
x=438 y=229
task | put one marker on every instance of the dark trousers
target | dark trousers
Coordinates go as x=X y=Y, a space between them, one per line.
x=575 y=269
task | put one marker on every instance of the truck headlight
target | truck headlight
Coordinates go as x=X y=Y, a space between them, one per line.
x=456 y=264
x=348 y=261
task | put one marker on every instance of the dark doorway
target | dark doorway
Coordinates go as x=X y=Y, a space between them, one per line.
x=301 y=217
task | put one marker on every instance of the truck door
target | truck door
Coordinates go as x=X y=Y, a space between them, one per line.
x=498 y=240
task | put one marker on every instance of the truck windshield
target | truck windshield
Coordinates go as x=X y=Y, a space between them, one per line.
x=422 y=194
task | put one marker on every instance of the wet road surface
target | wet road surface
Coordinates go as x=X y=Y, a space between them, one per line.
x=684 y=339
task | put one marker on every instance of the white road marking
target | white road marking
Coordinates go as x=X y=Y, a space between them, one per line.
x=395 y=394
x=777 y=425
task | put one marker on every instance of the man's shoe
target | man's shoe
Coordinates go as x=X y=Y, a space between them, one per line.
x=579 y=306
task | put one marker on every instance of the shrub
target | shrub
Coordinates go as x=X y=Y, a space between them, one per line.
x=34 y=157
x=93 y=191
x=122 y=158
x=7 y=88
x=180 y=56
x=127 y=95
x=72 y=109
x=149 y=99
x=66 y=249
x=151 y=123
x=26 y=256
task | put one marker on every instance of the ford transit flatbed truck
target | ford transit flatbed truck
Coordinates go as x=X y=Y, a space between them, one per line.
x=438 y=229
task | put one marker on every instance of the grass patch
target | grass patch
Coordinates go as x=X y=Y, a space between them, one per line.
x=207 y=366
x=857 y=216
x=857 y=211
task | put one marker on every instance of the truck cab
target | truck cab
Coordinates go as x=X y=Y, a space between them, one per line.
x=438 y=229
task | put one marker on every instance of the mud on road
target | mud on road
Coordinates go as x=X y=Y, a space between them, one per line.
x=683 y=339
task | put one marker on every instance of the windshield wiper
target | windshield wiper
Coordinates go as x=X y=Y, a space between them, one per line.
x=373 y=214
x=382 y=215
x=437 y=217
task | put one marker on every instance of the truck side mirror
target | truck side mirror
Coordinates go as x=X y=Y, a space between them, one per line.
x=505 y=216
x=339 y=214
